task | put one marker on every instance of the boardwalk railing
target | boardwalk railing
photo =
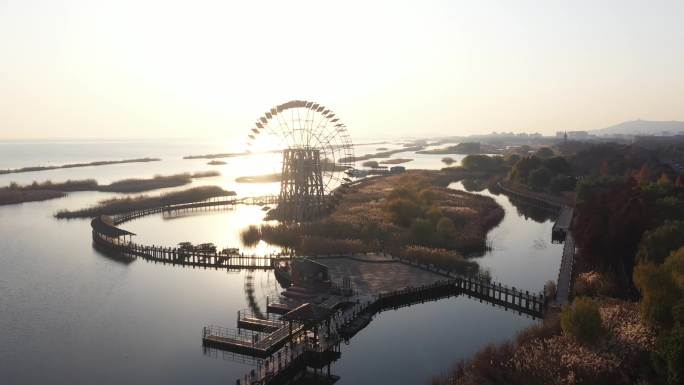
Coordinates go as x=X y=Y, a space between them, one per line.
x=565 y=272
x=191 y=206
x=347 y=322
x=178 y=256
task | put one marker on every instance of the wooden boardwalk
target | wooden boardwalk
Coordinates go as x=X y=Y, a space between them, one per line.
x=565 y=272
x=346 y=323
x=196 y=206
x=249 y=342
x=185 y=257
x=176 y=256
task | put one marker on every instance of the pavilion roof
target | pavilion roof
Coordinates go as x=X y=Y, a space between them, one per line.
x=104 y=225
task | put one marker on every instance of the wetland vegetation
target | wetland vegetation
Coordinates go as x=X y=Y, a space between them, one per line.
x=141 y=202
x=15 y=193
x=411 y=215
x=75 y=165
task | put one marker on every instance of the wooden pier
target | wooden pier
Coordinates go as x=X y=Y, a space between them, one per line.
x=562 y=225
x=177 y=256
x=290 y=355
x=249 y=342
x=107 y=236
x=563 y=286
x=214 y=203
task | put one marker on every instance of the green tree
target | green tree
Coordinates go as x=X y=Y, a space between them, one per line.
x=560 y=183
x=422 y=231
x=582 y=321
x=539 y=179
x=445 y=228
x=662 y=289
x=558 y=165
x=657 y=244
x=483 y=163
x=523 y=168
x=403 y=211
x=544 y=153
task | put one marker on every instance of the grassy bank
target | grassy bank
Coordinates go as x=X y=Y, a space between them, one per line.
x=74 y=165
x=123 y=205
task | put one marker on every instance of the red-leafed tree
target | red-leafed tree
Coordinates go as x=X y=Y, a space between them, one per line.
x=608 y=227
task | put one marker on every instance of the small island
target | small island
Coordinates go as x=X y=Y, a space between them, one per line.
x=15 y=193
x=215 y=162
x=142 y=202
x=266 y=178
x=466 y=148
x=412 y=215
x=396 y=161
x=75 y=165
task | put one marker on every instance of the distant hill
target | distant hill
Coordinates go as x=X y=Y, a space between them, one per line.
x=642 y=127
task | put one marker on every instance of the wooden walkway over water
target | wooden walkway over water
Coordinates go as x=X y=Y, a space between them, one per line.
x=564 y=282
x=213 y=203
x=188 y=257
x=177 y=256
x=283 y=350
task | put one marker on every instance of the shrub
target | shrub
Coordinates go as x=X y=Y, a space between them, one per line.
x=445 y=228
x=657 y=244
x=482 y=163
x=661 y=288
x=522 y=169
x=582 y=321
x=544 y=152
x=539 y=178
x=422 y=231
x=561 y=183
x=403 y=211
x=669 y=356
x=592 y=284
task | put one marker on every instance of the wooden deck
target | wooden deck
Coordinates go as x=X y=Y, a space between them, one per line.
x=565 y=272
x=176 y=256
x=248 y=342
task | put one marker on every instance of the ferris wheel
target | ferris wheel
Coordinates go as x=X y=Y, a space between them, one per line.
x=301 y=126
x=316 y=150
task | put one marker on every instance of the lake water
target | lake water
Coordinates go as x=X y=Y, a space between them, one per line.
x=69 y=314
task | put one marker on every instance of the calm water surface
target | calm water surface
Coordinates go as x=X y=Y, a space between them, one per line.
x=69 y=314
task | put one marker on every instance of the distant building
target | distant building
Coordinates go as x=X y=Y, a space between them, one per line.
x=397 y=169
x=573 y=135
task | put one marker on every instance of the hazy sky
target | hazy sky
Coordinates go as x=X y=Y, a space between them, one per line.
x=75 y=69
